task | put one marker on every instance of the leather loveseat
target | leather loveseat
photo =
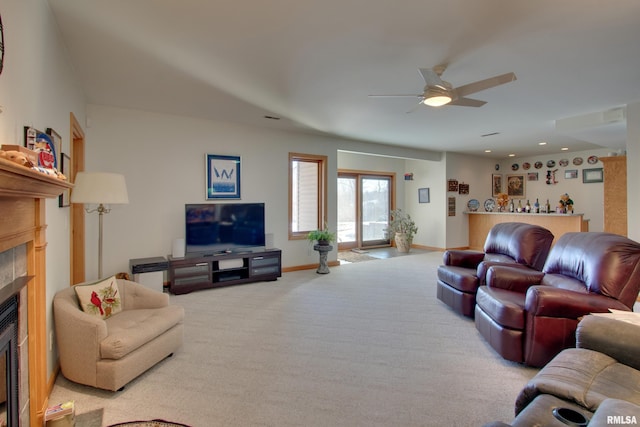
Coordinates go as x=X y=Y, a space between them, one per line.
x=530 y=316
x=108 y=353
x=513 y=243
x=598 y=380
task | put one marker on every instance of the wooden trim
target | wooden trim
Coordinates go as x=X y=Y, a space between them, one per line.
x=322 y=191
x=76 y=219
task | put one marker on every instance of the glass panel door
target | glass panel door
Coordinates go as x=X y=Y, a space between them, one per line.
x=364 y=202
x=376 y=199
x=347 y=212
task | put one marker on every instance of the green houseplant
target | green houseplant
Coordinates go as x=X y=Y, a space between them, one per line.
x=401 y=229
x=323 y=237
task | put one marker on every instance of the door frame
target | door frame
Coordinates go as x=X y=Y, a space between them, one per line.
x=77 y=232
x=358 y=175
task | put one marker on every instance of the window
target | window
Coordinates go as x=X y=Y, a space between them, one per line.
x=307 y=194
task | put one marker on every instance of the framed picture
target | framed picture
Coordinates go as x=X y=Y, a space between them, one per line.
x=42 y=143
x=463 y=188
x=223 y=177
x=451 y=206
x=496 y=184
x=571 y=174
x=532 y=176
x=592 y=175
x=452 y=185
x=423 y=195
x=65 y=167
x=57 y=144
x=516 y=186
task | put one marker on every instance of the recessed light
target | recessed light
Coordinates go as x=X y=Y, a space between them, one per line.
x=565 y=149
x=542 y=143
x=512 y=155
x=487 y=151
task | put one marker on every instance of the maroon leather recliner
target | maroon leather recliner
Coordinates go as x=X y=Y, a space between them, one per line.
x=514 y=243
x=529 y=316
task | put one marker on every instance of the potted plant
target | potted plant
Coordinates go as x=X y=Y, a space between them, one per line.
x=323 y=237
x=401 y=229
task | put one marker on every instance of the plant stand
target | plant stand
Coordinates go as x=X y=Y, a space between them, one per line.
x=323 y=268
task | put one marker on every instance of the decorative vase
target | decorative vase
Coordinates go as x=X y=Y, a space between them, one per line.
x=403 y=244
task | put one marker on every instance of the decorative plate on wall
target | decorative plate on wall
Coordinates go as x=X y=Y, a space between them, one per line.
x=577 y=161
x=489 y=205
x=473 y=205
x=538 y=165
x=515 y=167
x=563 y=162
x=592 y=160
x=551 y=163
x=526 y=165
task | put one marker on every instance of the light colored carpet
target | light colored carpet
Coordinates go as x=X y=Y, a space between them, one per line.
x=367 y=345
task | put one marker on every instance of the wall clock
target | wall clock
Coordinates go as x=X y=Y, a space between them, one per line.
x=1 y=46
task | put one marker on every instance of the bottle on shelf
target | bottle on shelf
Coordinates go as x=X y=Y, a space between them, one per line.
x=527 y=207
x=519 y=206
x=512 y=208
x=547 y=207
x=536 y=206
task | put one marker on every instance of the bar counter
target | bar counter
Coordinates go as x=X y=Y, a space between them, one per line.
x=481 y=222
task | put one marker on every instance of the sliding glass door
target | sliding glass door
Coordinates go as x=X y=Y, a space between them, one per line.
x=364 y=202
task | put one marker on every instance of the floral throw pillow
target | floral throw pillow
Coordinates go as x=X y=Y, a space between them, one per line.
x=101 y=299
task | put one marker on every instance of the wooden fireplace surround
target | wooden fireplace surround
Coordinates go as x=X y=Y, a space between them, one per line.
x=23 y=221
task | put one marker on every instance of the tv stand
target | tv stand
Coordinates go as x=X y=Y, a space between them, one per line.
x=212 y=271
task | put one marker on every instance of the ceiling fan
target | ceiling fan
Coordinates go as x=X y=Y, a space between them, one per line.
x=438 y=92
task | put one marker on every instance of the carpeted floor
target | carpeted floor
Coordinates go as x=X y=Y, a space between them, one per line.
x=367 y=345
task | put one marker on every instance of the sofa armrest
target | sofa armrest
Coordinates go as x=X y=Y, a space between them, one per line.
x=78 y=336
x=137 y=296
x=513 y=278
x=460 y=258
x=612 y=337
x=557 y=302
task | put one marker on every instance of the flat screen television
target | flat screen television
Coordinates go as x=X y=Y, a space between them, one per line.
x=216 y=228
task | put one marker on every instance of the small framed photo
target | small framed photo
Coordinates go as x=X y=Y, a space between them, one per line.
x=223 y=177
x=592 y=175
x=423 y=195
x=57 y=144
x=463 y=188
x=516 y=186
x=571 y=174
x=65 y=167
x=452 y=185
x=496 y=184
x=451 y=206
x=532 y=176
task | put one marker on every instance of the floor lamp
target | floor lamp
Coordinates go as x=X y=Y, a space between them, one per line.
x=102 y=189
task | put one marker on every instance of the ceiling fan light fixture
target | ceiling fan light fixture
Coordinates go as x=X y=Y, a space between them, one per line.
x=436 y=97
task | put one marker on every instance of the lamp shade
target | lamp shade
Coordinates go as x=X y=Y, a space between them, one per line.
x=99 y=187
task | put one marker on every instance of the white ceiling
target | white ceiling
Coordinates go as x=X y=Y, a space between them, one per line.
x=313 y=63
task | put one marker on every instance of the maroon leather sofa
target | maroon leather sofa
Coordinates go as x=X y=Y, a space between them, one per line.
x=513 y=243
x=529 y=316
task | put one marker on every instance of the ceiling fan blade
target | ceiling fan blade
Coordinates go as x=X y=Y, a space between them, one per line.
x=395 y=96
x=467 y=102
x=474 y=87
x=431 y=78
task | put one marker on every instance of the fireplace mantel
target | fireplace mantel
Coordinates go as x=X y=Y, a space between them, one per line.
x=19 y=181
x=23 y=221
